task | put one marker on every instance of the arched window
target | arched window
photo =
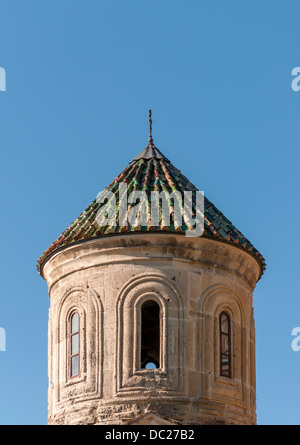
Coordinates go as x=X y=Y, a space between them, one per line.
x=74 y=346
x=225 y=345
x=150 y=335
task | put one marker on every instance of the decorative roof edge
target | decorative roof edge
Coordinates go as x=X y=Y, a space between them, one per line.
x=261 y=261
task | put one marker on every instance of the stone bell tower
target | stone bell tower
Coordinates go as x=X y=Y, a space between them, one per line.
x=148 y=325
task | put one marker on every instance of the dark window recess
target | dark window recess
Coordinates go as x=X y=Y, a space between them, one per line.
x=225 y=345
x=150 y=338
x=74 y=345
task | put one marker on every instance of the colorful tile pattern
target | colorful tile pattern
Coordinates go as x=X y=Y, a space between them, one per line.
x=151 y=171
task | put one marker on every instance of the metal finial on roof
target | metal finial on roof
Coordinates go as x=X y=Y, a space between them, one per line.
x=151 y=151
x=150 y=140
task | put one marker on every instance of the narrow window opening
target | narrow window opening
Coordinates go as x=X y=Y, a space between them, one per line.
x=150 y=335
x=225 y=345
x=74 y=345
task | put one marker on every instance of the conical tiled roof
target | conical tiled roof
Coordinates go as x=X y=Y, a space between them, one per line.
x=151 y=171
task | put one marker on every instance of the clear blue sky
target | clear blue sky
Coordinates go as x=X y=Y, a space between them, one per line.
x=81 y=76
